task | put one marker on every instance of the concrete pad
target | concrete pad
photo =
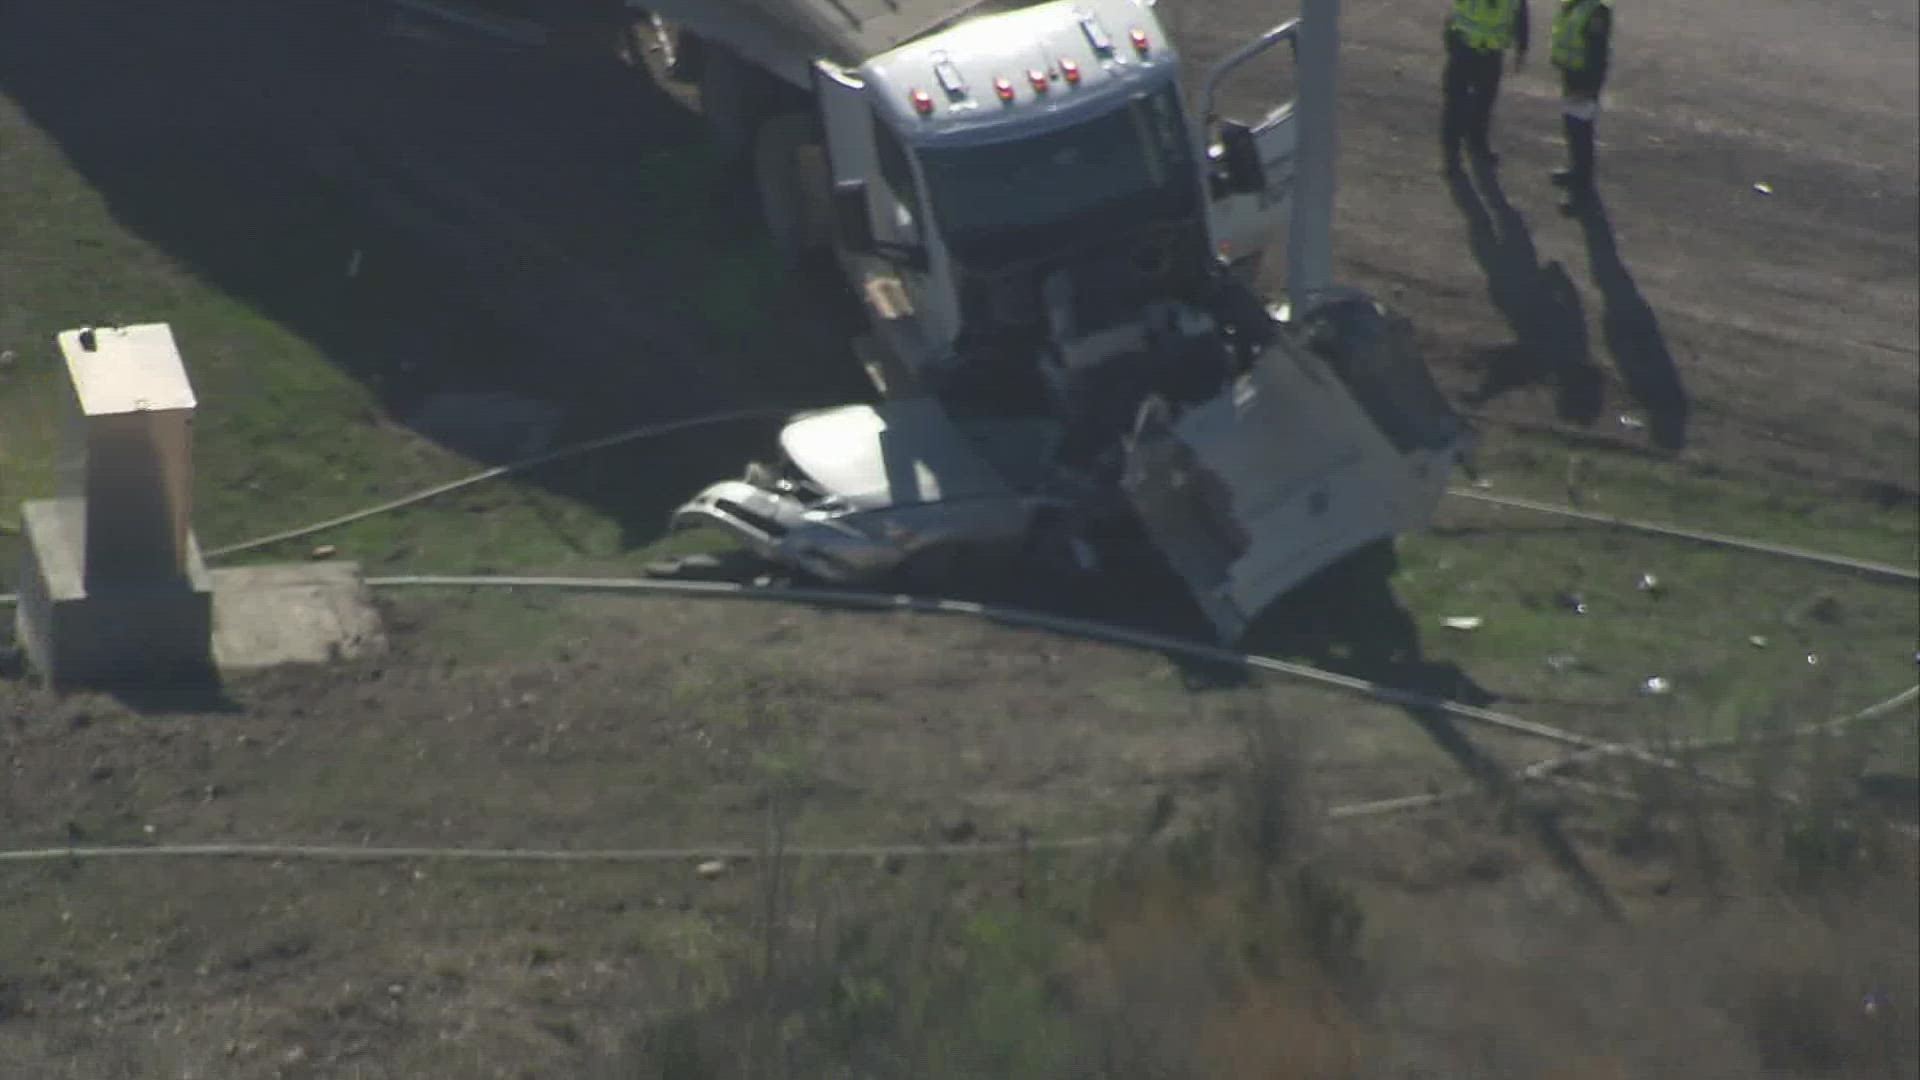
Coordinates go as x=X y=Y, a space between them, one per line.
x=292 y=613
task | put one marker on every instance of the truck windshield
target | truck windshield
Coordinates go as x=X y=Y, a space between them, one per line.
x=1011 y=201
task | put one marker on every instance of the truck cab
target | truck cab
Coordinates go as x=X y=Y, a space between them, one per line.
x=1031 y=181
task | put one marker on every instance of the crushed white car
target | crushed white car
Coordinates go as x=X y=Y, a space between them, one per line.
x=1250 y=468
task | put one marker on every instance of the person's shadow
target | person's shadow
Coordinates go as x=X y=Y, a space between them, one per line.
x=1540 y=303
x=1632 y=333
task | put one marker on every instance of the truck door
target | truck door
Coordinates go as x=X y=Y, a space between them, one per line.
x=1251 y=161
x=885 y=251
x=1251 y=493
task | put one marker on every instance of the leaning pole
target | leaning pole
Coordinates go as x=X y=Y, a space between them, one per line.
x=1310 y=233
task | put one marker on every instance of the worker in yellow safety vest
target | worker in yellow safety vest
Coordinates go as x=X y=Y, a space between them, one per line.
x=1582 y=46
x=1478 y=34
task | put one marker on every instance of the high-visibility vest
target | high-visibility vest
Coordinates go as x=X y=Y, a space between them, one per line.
x=1569 y=51
x=1485 y=24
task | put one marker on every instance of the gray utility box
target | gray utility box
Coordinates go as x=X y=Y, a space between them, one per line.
x=114 y=589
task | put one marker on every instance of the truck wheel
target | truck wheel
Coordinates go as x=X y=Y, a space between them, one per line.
x=727 y=101
x=789 y=168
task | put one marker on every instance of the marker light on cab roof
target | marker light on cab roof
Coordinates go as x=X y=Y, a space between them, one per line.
x=922 y=102
x=1039 y=80
x=950 y=78
x=1139 y=39
x=1071 y=70
x=1004 y=88
x=1096 y=36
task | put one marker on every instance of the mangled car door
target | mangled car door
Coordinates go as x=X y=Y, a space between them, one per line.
x=1251 y=162
x=1254 y=491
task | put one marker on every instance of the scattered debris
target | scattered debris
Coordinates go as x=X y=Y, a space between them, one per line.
x=1561 y=663
x=1462 y=622
x=1759 y=641
x=1763 y=187
x=1655 y=685
x=1649 y=584
x=1813 y=659
x=711 y=869
x=1574 y=602
x=1483 y=483
x=325 y=551
x=1632 y=423
x=6 y=358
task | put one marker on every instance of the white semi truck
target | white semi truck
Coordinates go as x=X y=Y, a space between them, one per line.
x=1045 y=238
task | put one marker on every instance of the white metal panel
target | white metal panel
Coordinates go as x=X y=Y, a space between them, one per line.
x=847 y=32
x=123 y=369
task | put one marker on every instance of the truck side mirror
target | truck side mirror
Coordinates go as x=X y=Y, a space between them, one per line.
x=852 y=217
x=1245 y=174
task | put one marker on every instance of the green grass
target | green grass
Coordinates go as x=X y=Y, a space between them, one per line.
x=1516 y=570
x=289 y=428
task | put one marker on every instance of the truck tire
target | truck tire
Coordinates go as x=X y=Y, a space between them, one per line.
x=789 y=170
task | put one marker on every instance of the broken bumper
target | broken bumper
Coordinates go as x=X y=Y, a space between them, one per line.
x=848 y=547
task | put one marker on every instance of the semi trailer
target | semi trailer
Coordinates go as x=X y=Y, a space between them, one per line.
x=1053 y=251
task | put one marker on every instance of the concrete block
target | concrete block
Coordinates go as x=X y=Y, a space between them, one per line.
x=131 y=631
x=293 y=613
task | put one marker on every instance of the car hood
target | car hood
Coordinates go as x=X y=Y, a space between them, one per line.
x=894 y=454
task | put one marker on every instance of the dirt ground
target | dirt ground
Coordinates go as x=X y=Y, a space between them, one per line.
x=525 y=242
x=1768 y=334
x=656 y=723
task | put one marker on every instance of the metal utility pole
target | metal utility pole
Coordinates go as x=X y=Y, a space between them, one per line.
x=1310 y=234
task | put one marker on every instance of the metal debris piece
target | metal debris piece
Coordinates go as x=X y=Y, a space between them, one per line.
x=1648 y=583
x=325 y=551
x=1813 y=658
x=1757 y=641
x=1483 y=483
x=1574 y=602
x=1631 y=423
x=711 y=869
x=1655 y=685
x=1763 y=187
x=1462 y=622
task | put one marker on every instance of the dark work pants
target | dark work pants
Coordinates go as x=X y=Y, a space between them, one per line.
x=1468 y=87
x=1579 y=110
x=1579 y=152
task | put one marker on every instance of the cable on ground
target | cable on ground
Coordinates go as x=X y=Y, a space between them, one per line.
x=644 y=431
x=1762 y=547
